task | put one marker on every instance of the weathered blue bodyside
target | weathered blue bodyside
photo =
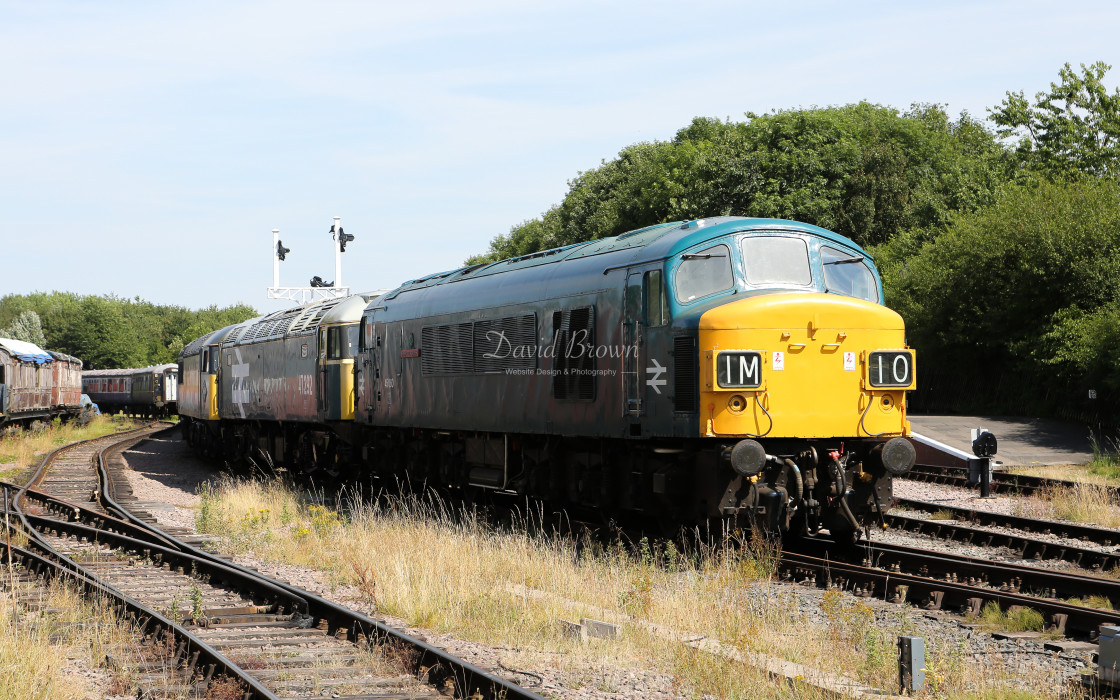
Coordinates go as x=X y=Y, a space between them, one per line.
x=396 y=391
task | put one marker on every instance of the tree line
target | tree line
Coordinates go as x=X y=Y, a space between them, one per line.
x=998 y=240
x=107 y=332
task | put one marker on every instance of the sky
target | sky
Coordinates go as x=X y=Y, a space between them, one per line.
x=148 y=149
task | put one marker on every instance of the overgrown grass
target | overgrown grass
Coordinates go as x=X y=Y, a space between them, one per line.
x=1093 y=601
x=445 y=570
x=1089 y=501
x=1090 y=473
x=35 y=647
x=1015 y=619
x=1106 y=458
x=1090 y=504
x=20 y=449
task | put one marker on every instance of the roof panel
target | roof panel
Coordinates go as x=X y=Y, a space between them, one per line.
x=29 y=352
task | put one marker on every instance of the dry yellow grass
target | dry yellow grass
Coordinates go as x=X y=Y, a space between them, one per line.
x=1067 y=472
x=38 y=649
x=450 y=573
x=1084 y=503
x=22 y=449
x=1103 y=469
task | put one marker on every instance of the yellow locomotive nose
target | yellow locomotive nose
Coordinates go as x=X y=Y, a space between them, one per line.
x=803 y=366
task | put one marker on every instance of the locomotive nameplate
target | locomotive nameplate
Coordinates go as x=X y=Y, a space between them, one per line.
x=410 y=352
x=739 y=369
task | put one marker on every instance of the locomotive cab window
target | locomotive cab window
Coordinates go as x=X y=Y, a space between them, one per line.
x=657 y=310
x=771 y=260
x=350 y=346
x=342 y=342
x=703 y=273
x=848 y=274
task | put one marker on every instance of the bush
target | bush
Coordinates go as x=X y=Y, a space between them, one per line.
x=1028 y=288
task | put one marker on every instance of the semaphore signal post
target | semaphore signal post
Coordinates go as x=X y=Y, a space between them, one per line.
x=318 y=290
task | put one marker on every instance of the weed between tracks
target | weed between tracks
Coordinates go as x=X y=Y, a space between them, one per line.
x=20 y=450
x=1015 y=619
x=1089 y=504
x=445 y=570
x=58 y=636
x=1091 y=500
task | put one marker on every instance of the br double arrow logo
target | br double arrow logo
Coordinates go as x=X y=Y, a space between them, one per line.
x=656 y=381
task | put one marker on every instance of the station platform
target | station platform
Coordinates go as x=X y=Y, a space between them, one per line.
x=1021 y=441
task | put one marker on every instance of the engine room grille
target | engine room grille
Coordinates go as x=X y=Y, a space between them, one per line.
x=685 y=374
x=447 y=349
x=480 y=347
x=574 y=350
x=501 y=344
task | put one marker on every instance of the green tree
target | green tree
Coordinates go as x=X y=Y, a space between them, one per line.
x=1026 y=287
x=862 y=170
x=1072 y=130
x=105 y=339
x=28 y=328
x=109 y=332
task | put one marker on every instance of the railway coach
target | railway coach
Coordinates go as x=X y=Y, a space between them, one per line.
x=146 y=391
x=36 y=384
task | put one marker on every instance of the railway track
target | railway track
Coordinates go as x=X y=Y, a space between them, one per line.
x=938 y=581
x=29 y=574
x=217 y=619
x=967 y=527
x=1002 y=482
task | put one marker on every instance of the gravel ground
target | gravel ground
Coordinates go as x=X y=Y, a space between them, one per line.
x=957 y=497
x=562 y=676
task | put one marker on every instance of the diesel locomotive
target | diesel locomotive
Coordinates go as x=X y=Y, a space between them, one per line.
x=730 y=368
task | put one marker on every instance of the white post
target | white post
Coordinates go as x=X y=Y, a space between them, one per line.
x=275 y=257
x=337 y=251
